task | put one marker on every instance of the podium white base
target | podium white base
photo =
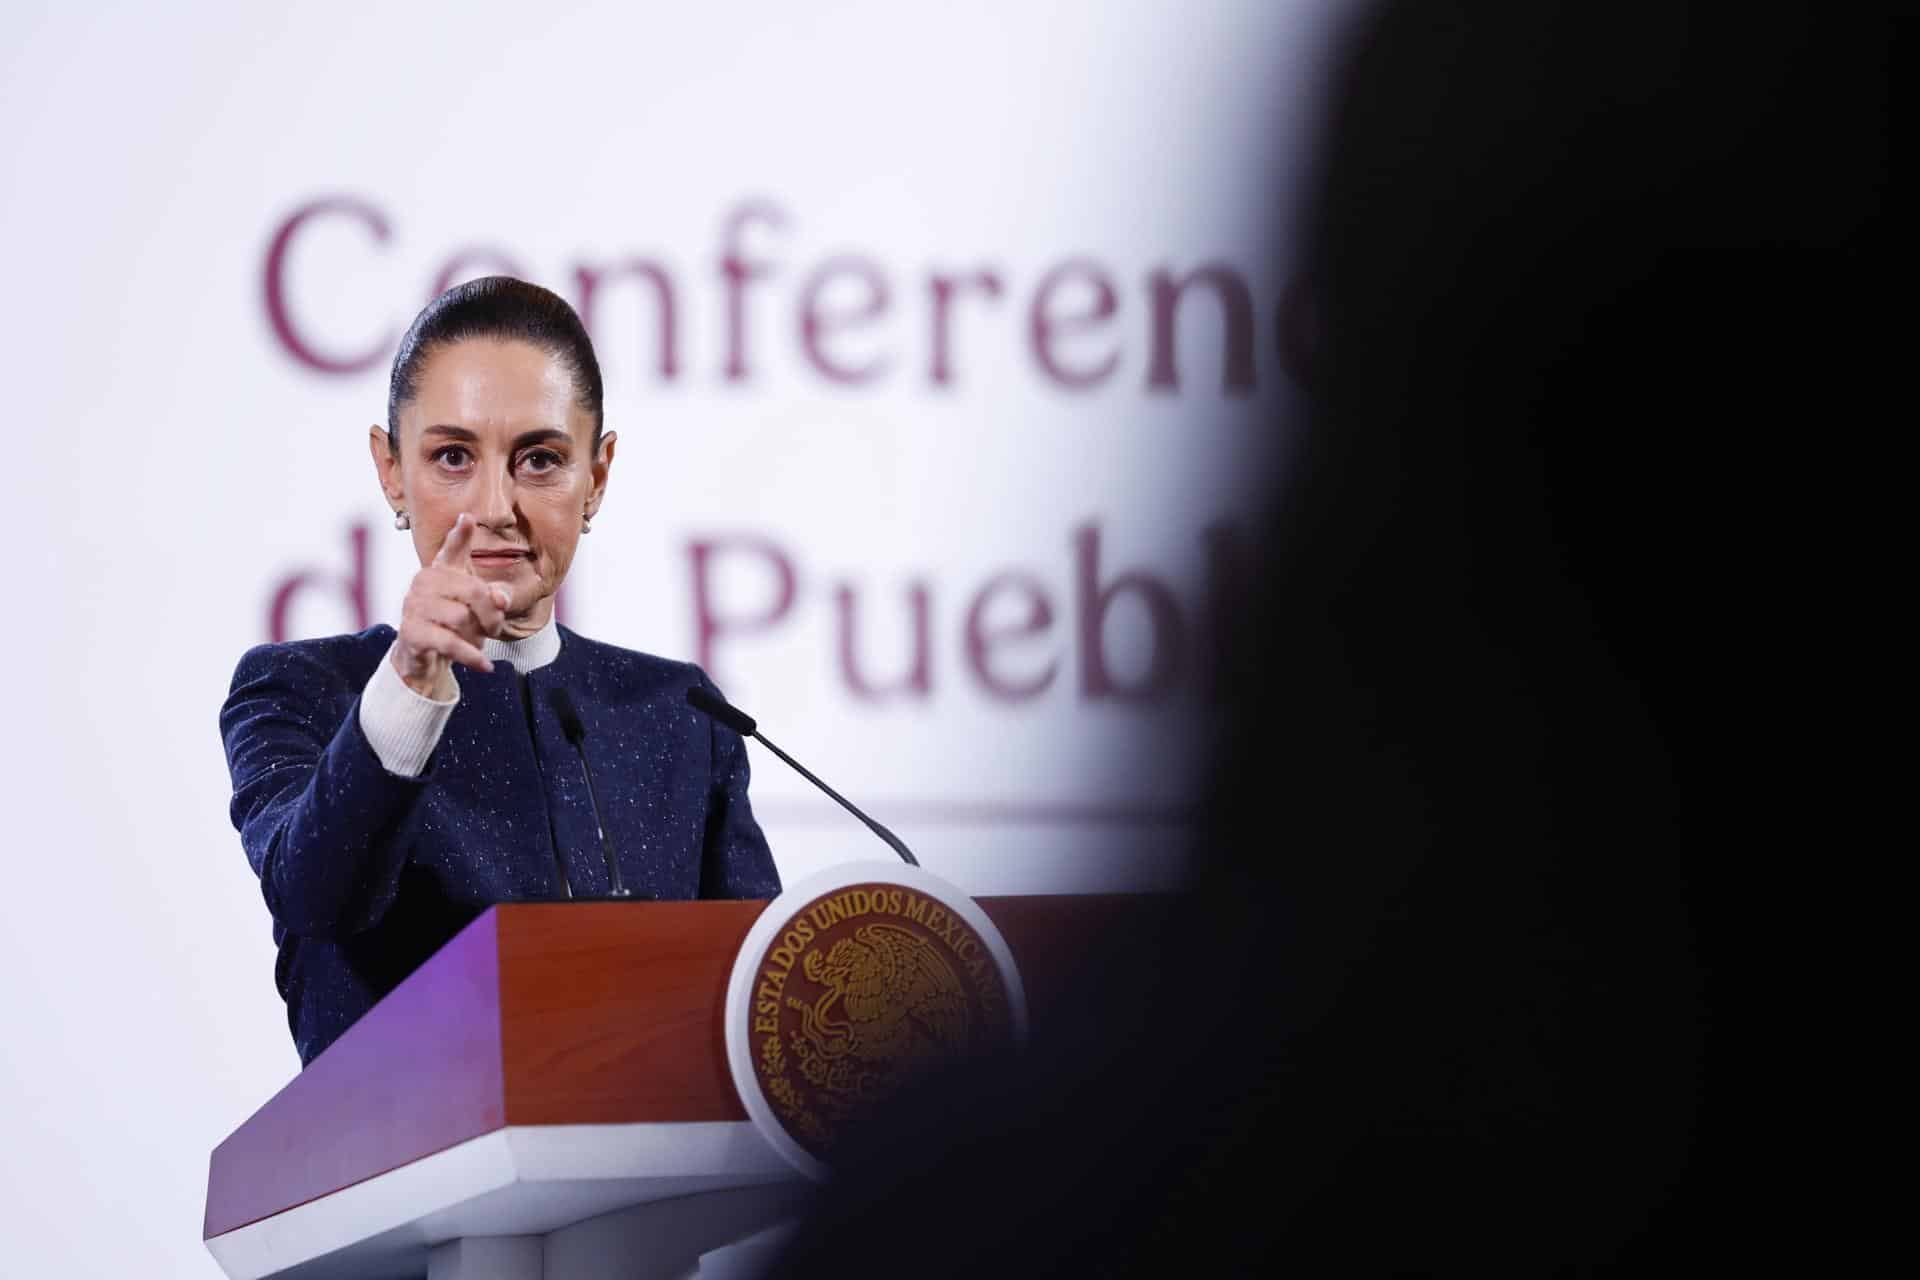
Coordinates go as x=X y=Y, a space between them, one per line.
x=547 y=1202
x=716 y=1235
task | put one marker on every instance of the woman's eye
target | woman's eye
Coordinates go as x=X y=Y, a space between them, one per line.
x=540 y=460
x=451 y=455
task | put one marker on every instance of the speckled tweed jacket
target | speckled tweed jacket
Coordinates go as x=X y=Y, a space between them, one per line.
x=367 y=873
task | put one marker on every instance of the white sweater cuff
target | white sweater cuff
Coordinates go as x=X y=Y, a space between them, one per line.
x=402 y=727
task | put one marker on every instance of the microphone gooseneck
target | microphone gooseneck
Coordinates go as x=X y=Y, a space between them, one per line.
x=744 y=725
x=576 y=733
x=725 y=712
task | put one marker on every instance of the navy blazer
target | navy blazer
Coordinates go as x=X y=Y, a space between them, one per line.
x=367 y=873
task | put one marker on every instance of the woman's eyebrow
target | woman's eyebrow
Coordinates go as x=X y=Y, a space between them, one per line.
x=540 y=435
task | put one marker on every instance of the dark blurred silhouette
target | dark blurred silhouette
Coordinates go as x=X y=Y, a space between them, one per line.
x=1453 y=992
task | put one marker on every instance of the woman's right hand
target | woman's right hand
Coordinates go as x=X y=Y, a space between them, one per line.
x=447 y=613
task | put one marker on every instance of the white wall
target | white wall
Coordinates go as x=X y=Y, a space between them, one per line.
x=170 y=462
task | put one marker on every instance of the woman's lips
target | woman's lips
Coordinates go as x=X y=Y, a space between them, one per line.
x=483 y=559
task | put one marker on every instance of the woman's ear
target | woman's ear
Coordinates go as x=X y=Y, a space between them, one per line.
x=387 y=466
x=602 y=466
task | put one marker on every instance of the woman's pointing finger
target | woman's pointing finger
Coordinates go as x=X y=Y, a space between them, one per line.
x=453 y=551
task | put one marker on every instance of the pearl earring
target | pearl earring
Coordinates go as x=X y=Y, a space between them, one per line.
x=401 y=520
x=586 y=524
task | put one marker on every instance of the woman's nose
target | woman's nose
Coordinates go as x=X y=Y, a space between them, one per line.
x=493 y=505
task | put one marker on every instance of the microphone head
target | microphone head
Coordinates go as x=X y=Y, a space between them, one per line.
x=725 y=712
x=562 y=704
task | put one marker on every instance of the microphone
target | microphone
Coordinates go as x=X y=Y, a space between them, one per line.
x=576 y=733
x=743 y=724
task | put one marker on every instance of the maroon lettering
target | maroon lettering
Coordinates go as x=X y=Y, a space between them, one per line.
x=1071 y=320
x=1236 y=317
x=587 y=280
x=353 y=584
x=945 y=288
x=1096 y=598
x=1046 y=325
x=984 y=636
x=737 y=272
x=918 y=680
x=280 y=315
x=709 y=625
x=817 y=322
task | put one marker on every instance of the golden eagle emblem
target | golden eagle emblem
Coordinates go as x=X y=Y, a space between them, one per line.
x=858 y=992
x=890 y=1000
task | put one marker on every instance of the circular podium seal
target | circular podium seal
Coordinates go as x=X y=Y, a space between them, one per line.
x=849 y=984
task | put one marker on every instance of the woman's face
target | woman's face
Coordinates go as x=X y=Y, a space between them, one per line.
x=495 y=431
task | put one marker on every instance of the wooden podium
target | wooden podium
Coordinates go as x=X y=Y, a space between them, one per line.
x=548 y=1096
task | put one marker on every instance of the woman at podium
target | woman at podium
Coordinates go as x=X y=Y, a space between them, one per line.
x=389 y=786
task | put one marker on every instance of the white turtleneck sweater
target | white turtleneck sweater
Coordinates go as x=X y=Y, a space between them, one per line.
x=403 y=727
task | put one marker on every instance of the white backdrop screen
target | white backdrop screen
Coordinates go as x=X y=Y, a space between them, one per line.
x=946 y=346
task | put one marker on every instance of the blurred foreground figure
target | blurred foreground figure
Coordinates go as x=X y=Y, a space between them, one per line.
x=1449 y=995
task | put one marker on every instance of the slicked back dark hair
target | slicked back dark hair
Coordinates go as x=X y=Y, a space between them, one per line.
x=502 y=308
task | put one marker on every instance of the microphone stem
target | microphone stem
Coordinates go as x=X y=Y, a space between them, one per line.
x=898 y=846
x=600 y=827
